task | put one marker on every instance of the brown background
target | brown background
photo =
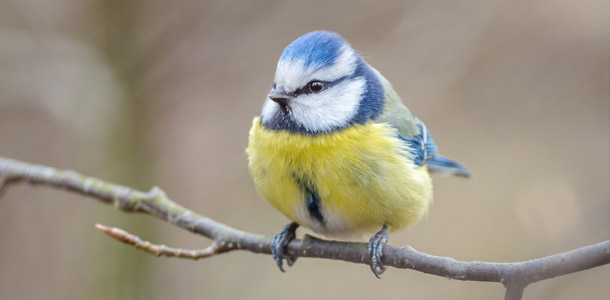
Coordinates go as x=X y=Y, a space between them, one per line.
x=156 y=93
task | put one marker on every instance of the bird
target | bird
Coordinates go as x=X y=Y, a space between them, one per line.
x=336 y=151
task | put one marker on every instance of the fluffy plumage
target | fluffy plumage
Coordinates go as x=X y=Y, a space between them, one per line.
x=361 y=174
x=349 y=158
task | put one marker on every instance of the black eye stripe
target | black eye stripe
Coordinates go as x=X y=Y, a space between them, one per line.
x=304 y=90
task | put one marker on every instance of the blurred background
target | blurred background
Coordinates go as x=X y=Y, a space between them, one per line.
x=147 y=93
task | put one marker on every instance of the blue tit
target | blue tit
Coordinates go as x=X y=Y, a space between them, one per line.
x=336 y=151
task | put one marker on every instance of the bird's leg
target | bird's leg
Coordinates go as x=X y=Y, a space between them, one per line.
x=375 y=249
x=280 y=241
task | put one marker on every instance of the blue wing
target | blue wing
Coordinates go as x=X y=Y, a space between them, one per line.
x=415 y=134
x=424 y=152
x=422 y=145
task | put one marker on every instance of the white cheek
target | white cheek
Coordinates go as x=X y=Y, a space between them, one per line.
x=269 y=110
x=330 y=109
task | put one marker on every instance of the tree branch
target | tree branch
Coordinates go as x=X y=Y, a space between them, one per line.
x=158 y=250
x=514 y=276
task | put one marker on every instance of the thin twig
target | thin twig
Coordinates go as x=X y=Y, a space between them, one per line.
x=158 y=250
x=514 y=291
x=514 y=276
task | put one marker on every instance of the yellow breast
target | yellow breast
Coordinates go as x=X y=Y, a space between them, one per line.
x=362 y=175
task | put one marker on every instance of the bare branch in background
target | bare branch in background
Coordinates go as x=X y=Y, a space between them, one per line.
x=2 y=181
x=514 y=276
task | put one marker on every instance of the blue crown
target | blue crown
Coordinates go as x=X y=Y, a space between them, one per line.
x=319 y=48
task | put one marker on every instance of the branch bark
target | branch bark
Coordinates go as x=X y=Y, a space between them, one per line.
x=514 y=276
x=158 y=250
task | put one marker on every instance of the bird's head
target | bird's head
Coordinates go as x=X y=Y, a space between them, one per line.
x=321 y=85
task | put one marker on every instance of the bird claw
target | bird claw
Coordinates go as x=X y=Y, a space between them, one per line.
x=280 y=241
x=375 y=249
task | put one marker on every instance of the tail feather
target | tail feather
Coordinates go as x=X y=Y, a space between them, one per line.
x=443 y=164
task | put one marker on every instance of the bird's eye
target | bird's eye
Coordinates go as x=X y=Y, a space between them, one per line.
x=316 y=86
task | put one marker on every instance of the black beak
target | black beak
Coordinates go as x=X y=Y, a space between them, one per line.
x=280 y=96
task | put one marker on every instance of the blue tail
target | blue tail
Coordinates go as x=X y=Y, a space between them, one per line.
x=443 y=164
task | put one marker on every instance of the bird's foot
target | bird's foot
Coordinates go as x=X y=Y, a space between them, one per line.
x=375 y=249
x=280 y=241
